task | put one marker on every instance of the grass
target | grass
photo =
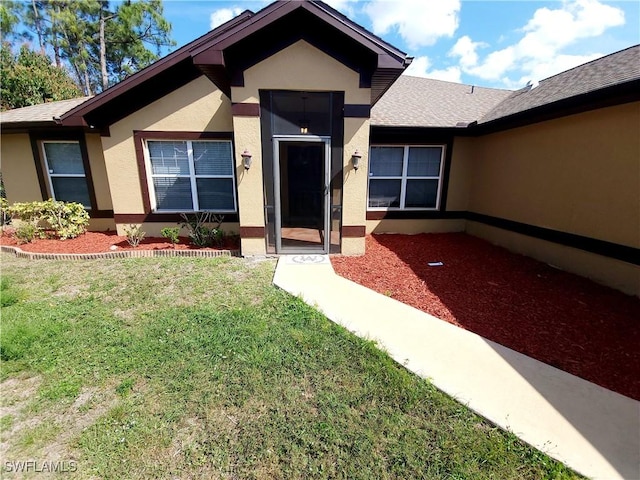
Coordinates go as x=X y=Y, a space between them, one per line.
x=200 y=368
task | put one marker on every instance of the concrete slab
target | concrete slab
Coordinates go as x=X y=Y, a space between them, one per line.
x=591 y=429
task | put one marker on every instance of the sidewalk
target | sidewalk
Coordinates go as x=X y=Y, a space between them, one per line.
x=591 y=429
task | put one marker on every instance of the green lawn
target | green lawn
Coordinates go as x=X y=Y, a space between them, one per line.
x=200 y=368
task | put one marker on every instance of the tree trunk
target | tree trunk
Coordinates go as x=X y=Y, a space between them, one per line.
x=103 y=53
x=36 y=22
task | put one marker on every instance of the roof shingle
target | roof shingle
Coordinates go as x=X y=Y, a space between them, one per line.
x=614 y=69
x=424 y=102
x=43 y=112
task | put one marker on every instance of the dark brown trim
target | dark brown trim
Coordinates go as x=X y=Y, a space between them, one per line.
x=245 y=109
x=252 y=232
x=100 y=213
x=357 y=111
x=138 y=139
x=354 y=231
x=167 y=135
x=124 y=218
x=37 y=137
x=446 y=172
x=35 y=150
x=415 y=215
x=593 y=245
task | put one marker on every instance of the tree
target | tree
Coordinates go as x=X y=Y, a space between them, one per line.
x=101 y=43
x=29 y=78
x=10 y=13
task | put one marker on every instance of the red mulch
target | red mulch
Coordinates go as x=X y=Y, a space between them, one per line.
x=97 y=242
x=556 y=317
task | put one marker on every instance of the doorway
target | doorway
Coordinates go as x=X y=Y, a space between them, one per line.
x=301 y=181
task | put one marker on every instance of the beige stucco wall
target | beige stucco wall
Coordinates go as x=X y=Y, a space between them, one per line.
x=300 y=67
x=18 y=168
x=578 y=174
x=98 y=172
x=620 y=275
x=412 y=227
x=196 y=107
x=461 y=174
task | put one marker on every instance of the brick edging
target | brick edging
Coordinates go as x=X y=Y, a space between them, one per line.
x=118 y=254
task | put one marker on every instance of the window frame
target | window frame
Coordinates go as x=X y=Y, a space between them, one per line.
x=50 y=175
x=192 y=175
x=404 y=177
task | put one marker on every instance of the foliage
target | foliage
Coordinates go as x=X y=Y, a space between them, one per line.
x=64 y=219
x=134 y=234
x=100 y=42
x=201 y=234
x=27 y=231
x=5 y=217
x=171 y=233
x=28 y=78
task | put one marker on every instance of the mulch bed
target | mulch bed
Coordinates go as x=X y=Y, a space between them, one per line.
x=98 y=242
x=559 y=318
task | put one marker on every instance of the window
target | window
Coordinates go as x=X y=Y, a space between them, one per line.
x=191 y=175
x=405 y=177
x=67 y=179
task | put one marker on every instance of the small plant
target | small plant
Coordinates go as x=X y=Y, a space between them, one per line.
x=172 y=234
x=27 y=231
x=200 y=233
x=5 y=218
x=134 y=234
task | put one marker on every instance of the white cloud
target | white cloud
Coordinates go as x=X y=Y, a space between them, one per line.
x=465 y=48
x=419 y=22
x=222 y=15
x=538 y=54
x=343 y=6
x=420 y=68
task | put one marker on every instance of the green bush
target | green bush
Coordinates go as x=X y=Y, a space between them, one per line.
x=64 y=219
x=26 y=232
x=172 y=234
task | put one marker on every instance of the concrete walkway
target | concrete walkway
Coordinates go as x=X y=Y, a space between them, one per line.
x=591 y=429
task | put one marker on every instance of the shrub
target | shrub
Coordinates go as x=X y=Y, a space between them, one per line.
x=171 y=233
x=5 y=218
x=134 y=234
x=26 y=232
x=65 y=219
x=200 y=233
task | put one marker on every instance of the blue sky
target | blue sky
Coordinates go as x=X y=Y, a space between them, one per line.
x=496 y=43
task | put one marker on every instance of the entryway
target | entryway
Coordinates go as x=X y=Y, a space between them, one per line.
x=301 y=181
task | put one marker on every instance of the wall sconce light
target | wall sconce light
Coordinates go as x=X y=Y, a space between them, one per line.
x=246 y=159
x=355 y=159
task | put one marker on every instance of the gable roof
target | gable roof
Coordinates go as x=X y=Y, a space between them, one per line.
x=424 y=102
x=615 y=70
x=224 y=53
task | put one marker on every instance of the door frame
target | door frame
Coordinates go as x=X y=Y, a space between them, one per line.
x=326 y=141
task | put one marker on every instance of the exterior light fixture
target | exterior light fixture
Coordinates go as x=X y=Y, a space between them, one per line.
x=355 y=159
x=304 y=123
x=246 y=159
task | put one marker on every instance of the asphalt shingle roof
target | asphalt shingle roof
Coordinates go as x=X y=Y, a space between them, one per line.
x=613 y=69
x=423 y=102
x=43 y=112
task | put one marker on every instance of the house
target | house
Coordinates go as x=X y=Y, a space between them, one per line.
x=296 y=124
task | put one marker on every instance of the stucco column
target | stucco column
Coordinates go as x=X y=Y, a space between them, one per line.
x=250 y=185
x=354 y=194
